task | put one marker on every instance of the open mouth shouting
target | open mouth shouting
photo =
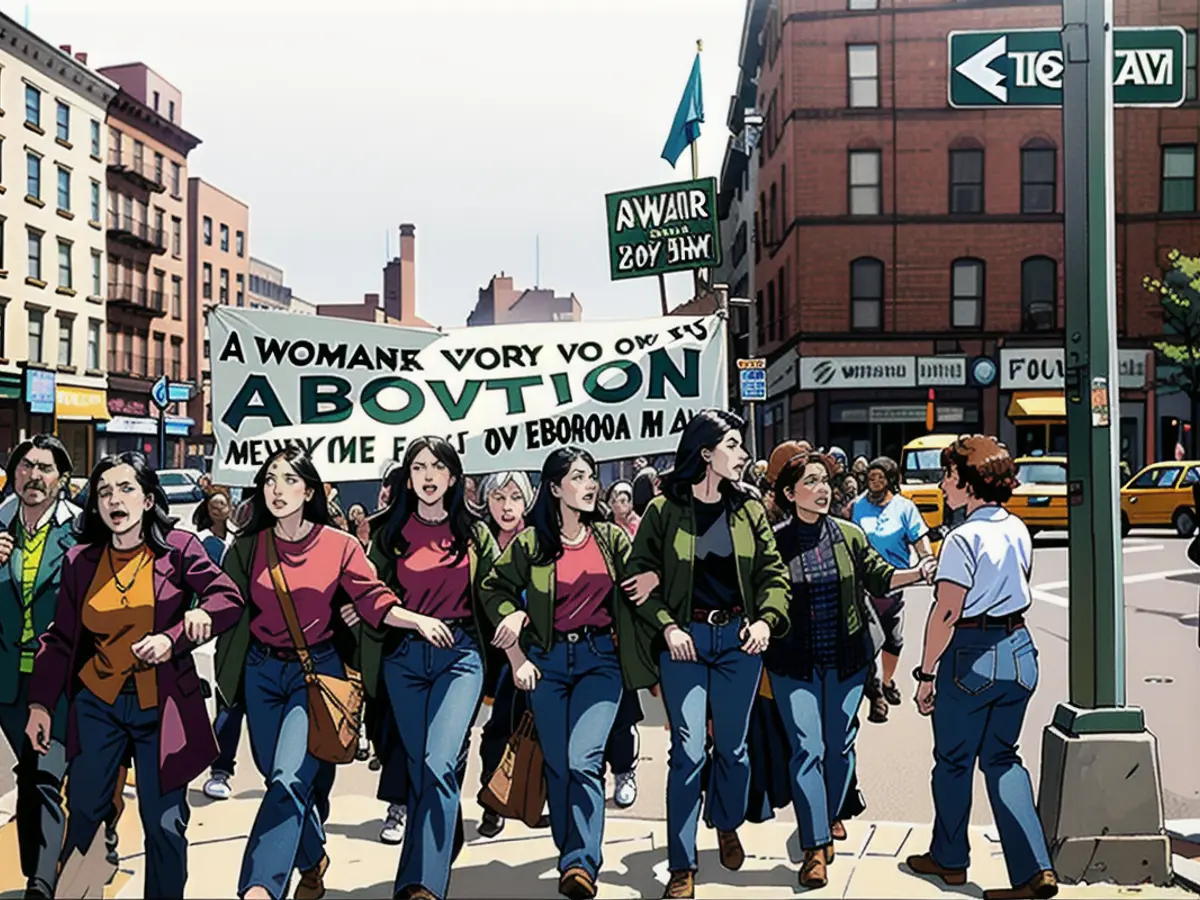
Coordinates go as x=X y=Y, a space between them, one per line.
x=118 y=516
x=278 y=503
x=429 y=490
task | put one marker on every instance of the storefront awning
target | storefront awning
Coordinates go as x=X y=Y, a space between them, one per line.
x=1037 y=405
x=81 y=404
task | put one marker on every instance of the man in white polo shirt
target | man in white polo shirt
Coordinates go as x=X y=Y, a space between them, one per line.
x=978 y=670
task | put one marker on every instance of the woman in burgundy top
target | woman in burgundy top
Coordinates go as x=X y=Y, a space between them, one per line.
x=429 y=548
x=324 y=569
x=562 y=642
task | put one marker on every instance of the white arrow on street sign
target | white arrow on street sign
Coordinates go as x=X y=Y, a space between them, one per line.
x=978 y=69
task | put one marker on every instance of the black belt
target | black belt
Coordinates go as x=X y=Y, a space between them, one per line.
x=574 y=637
x=716 y=617
x=291 y=654
x=1008 y=623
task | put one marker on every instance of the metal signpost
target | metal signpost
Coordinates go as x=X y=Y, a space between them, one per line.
x=752 y=378
x=1025 y=67
x=160 y=396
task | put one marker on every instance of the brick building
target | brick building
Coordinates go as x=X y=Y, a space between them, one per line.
x=502 y=304
x=892 y=230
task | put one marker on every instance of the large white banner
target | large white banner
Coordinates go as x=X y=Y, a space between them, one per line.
x=355 y=393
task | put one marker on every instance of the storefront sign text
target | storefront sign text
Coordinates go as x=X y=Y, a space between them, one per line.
x=1044 y=369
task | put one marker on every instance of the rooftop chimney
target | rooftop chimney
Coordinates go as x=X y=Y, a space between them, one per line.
x=81 y=57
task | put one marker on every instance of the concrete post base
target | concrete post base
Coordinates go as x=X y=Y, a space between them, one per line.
x=1100 y=802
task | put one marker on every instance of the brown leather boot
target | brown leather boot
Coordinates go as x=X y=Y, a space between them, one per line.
x=682 y=886
x=1041 y=886
x=813 y=873
x=730 y=847
x=926 y=865
x=312 y=882
x=577 y=884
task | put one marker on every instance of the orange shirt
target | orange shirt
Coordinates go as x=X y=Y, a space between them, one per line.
x=118 y=620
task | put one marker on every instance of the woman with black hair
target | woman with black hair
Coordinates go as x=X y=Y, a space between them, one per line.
x=573 y=643
x=427 y=547
x=136 y=593
x=288 y=537
x=644 y=488
x=711 y=584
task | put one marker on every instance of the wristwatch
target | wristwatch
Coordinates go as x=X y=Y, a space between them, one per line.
x=918 y=675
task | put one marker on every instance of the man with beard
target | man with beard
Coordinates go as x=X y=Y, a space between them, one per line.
x=36 y=523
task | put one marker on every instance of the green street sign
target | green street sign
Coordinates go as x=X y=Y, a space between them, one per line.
x=666 y=228
x=1024 y=67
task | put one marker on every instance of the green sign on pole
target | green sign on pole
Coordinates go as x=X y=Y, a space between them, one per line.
x=666 y=228
x=1024 y=67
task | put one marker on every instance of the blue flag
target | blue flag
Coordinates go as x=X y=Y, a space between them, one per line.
x=686 y=127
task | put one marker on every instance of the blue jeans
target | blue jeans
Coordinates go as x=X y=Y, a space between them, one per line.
x=574 y=705
x=722 y=682
x=819 y=715
x=984 y=682
x=105 y=733
x=287 y=830
x=434 y=694
x=228 y=728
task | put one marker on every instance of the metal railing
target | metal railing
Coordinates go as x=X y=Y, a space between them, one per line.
x=148 y=171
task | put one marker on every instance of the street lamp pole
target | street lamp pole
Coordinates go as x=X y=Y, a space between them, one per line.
x=1100 y=791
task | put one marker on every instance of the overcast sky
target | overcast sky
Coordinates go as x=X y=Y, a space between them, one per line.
x=483 y=122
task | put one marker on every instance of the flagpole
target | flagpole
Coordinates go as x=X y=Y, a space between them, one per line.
x=695 y=175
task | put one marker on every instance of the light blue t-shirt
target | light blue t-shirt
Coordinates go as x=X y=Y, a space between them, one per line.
x=892 y=529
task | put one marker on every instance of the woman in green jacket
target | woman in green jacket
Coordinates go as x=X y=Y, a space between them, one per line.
x=712 y=586
x=573 y=646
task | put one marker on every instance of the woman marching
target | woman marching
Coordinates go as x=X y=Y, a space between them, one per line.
x=508 y=496
x=818 y=672
x=136 y=594
x=428 y=548
x=711 y=584
x=289 y=541
x=574 y=644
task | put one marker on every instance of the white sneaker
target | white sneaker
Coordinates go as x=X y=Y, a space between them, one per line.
x=625 y=789
x=217 y=787
x=393 y=828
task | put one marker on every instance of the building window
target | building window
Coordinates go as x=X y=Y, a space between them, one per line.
x=783 y=303
x=866 y=194
x=1039 y=294
x=33 y=175
x=241 y=288
x=158 y=168
x=155 y=99
x=160 y=354
x=2 y=223
x=97 y=265
x=966 y=293
x=139 y=156
x=773 y=220
x=176 y=175
x=95 y=138
x=224 y=286
x=760 y=318
x=129 y=352
x=64 y=264
x=176 y=236
x=33 y=106
x=93 y=345
x=35 y=255
x=1179 y=178
x=66 y=325
x=1189 y=74
x=240 y=243
x=62 y=119
x=206 y=282
x=863 y=4
x=866 y=294
x=3 y=328
x=1039 y=174
x=206 y=231
x=171 y=110
x=176 y=359
x=224 y=238
x=966 y=182
x=37 y=327
x=862 y=62
x=64 y=189
x=115 y=144
x=159 y=290
x=771 y=311
x=94 y=201
x=176 y=297
x=159 y=231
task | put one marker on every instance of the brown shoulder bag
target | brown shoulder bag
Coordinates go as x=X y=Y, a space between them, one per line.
x=517 y=789
x=334 y=704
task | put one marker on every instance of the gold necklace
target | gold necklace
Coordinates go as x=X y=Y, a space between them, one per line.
x=124 y=589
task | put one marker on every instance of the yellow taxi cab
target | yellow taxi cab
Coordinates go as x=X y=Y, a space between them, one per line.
x=1040 y=500
x=921 y=475
x=1160 y=496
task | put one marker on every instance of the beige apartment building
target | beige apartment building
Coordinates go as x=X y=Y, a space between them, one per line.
x=52 y=243
x=218 y=274
x=147 y=258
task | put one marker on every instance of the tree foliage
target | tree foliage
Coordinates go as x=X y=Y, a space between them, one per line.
x=1178 y=292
